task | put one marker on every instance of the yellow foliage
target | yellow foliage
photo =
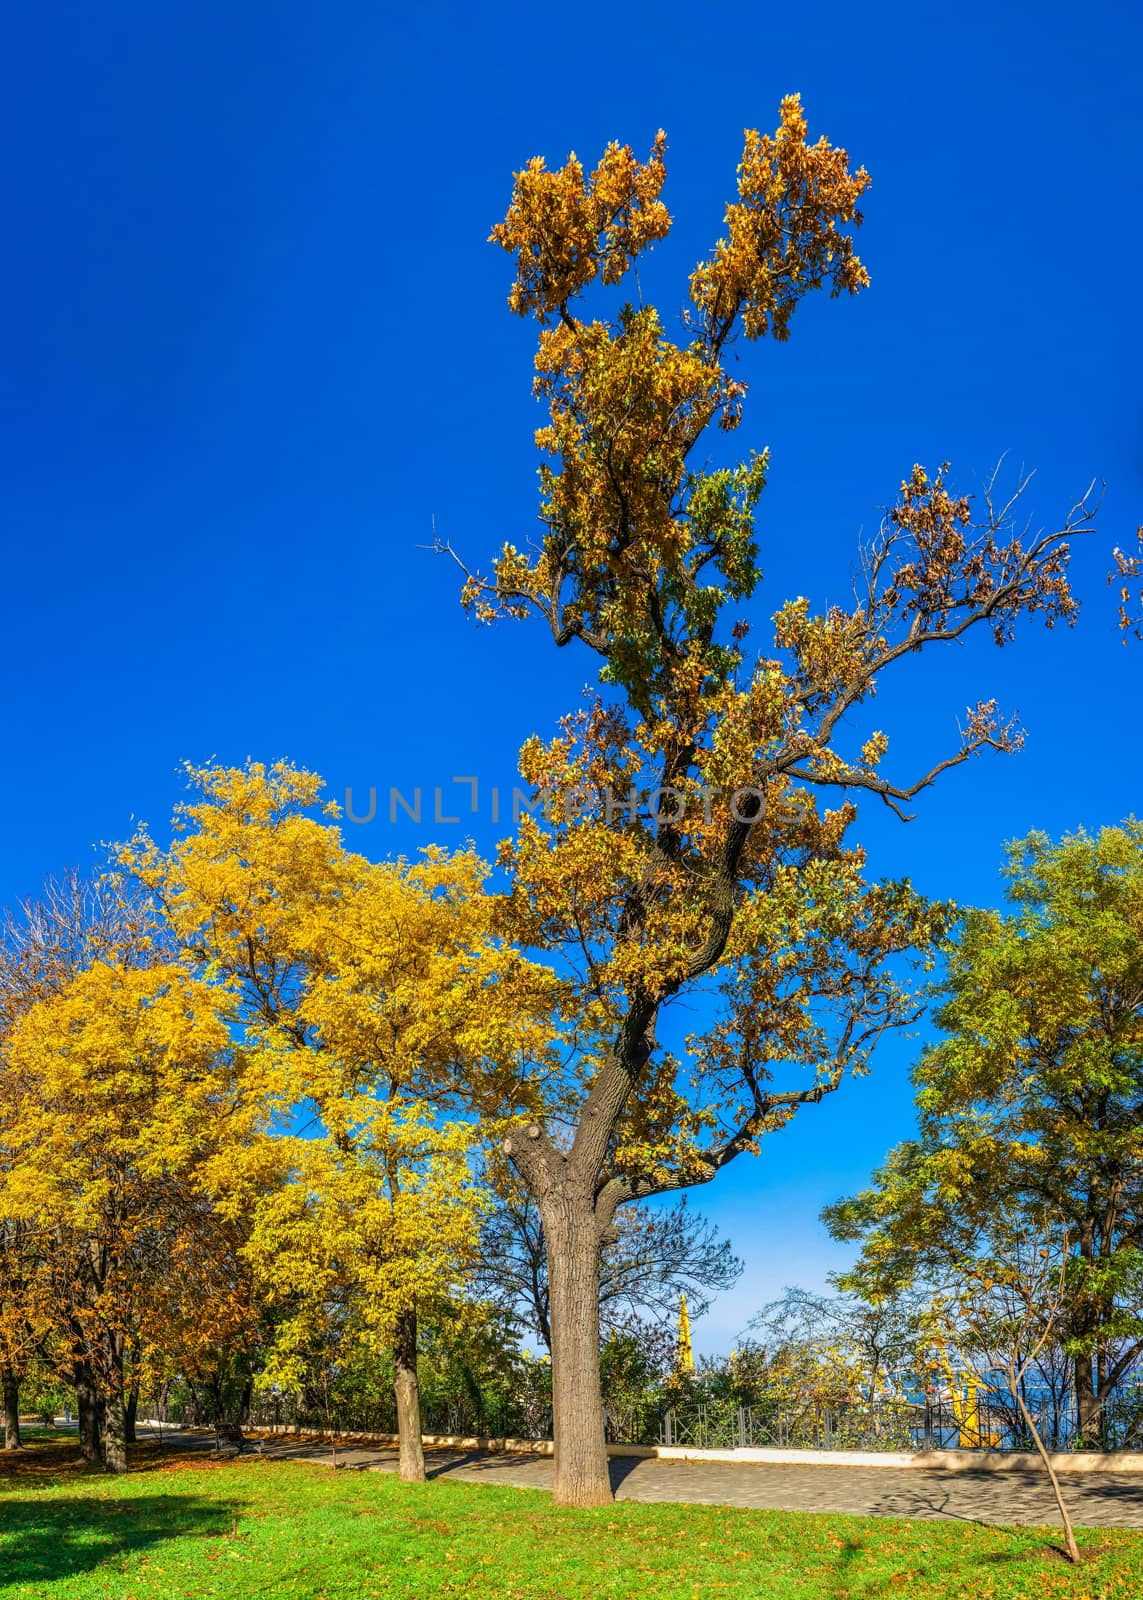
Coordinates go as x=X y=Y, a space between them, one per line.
x=782 y=233
x=565 y=231
x=385 y=996
x=359 y=1235
x=128 y=1111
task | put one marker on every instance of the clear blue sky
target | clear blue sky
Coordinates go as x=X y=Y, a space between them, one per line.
x=255 y=342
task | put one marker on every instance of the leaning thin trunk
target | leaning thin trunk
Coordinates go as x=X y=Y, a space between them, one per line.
x=11 y=1386
x=1069 y=1535
x=582 y=1477
x=88 y=1410
x=410 y=1446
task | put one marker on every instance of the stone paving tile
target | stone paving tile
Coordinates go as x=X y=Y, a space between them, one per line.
x=1105 y=1499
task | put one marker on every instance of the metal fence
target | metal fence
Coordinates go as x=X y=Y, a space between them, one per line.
x=725 y=1426
x=716 y=1425
x=983 y=1424
x=452 y=1417
x=893 y=1424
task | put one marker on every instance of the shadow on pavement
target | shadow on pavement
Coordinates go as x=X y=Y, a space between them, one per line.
x=621 y=1467
x=491 y=1466
x=438 y=1464
x=1126 y=1492
x=926 y=1504
x=436 y=1467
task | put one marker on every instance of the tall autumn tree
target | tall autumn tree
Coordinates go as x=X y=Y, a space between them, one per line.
x=1033 y=1101
x=396 y=1002
x=728 y=878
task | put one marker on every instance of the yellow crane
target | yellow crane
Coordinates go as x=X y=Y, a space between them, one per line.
x=964 y=1393
x=684 y=1350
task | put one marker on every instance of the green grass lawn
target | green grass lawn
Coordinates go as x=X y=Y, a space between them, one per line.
x=185 y=1525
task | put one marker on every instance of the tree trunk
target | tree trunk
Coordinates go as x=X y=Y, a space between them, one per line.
x=11 y=1387
x=1089 y=1405
x=114 y=1406
x=131 y=1414
x=572 y=1234
x=87 y=1409
x=410 y=1446
x=115 y=1432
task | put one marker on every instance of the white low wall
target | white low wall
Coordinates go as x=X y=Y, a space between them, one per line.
x=940 y=1460
x=929 y=1460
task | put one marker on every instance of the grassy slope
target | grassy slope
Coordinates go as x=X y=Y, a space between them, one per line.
x=190 y=1527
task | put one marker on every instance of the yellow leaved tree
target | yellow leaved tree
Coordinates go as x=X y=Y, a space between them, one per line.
x=126 y=1110
x=399 y=1009
x=373 y=1226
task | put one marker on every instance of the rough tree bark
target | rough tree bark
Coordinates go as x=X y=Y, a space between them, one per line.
x=575 y=1218
x=11 y=1388
x=115 y=1432
x=114 y=1409
x=573 y=1237
x=88 y=1411
x=1089 y=1406
x=406 y=1389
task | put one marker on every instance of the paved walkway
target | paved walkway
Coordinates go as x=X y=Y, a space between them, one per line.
x=1104 y=1499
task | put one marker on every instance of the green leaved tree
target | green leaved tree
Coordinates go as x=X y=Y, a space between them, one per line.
x=1034 y=1101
